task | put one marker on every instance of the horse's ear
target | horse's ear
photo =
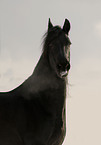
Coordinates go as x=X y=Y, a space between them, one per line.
x=50 y=25
x=66 y=26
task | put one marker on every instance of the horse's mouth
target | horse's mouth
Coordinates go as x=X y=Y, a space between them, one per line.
x=63 y=74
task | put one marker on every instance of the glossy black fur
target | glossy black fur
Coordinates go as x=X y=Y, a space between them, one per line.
x=34 y=113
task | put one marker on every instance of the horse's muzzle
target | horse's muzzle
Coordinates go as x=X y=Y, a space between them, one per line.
x=64 y=70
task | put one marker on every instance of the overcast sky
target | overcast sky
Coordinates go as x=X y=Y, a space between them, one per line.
x=22 y=25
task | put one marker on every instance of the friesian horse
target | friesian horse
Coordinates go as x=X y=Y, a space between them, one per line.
x=34 y=112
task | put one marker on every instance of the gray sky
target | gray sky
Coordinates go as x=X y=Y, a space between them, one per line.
x=22 y=25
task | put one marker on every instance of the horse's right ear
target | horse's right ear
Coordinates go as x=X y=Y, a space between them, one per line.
x=50 y=25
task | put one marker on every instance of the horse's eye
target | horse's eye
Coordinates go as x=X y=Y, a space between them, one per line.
x=59 y=66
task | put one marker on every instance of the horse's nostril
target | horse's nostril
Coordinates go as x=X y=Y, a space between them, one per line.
x=67 y=65
x=64 y=66
x=59 y=66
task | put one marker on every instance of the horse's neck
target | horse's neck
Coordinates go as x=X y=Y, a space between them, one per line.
x=42 y=79
x=42 y=67
x=46 y=83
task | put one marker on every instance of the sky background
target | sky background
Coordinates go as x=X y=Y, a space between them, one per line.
x=22 y=25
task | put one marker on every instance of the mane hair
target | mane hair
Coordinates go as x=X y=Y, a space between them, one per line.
x=54 y=34
x=49 y=36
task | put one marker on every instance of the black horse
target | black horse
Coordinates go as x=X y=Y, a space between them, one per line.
x=34 y=112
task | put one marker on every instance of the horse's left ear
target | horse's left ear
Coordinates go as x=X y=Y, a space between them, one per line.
x=50 y=25
x=66 y=26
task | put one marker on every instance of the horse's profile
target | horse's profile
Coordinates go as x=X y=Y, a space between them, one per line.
x=34 y=112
